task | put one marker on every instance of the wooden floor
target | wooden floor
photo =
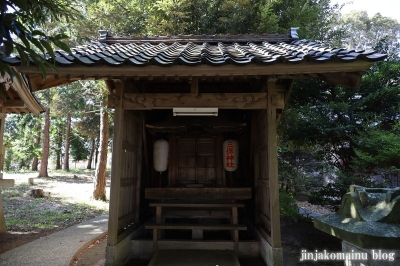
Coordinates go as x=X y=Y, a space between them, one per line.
x=194 y=258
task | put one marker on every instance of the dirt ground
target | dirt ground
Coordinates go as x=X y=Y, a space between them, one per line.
x=69 y=202
x=72 y=189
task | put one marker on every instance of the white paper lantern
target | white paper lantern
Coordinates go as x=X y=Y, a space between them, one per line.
x=231 y=155
x=160 y=155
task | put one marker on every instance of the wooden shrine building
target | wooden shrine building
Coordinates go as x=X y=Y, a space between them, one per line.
x=194 y=159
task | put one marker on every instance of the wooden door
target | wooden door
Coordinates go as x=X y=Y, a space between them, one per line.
x=196 y=160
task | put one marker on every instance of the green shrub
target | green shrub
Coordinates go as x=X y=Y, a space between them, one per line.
x=331 y=194
x=288 y=206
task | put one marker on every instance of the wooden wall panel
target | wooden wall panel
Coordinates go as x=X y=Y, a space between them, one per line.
x=126 y=170
x=266 y=171
x=264 y=154
x=261 y=171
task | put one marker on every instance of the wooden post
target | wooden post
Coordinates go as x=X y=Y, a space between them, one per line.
x=141 y=133
x=3 y=227
x=235 y=232
x=155 y=231
x=3 y=152
x=116 y=166
x=273 y=166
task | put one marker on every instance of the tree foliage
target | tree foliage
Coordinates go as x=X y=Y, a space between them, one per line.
x=79 y=150
x=163 y=17
x=20 y=140
x=367 y=31
x=20 y=23
x=326 y=131
x=354 y=131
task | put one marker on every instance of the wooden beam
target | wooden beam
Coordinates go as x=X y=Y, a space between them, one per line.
x=49 y=82
x=150 y=101
x=14 y=110
x=264 y=233
x=10 y=93
x=288 y=90
x=190 y=213
x=126 y=220
x=350 y=80
x=251 y=70
x=199 y=193
x=197 y=205
x=197 y=226
x=17 y=103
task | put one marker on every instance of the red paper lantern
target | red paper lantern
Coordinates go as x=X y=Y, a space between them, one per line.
x=231 y=155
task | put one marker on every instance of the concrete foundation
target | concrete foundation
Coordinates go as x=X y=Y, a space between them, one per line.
x=120 y=253
x=270 y=255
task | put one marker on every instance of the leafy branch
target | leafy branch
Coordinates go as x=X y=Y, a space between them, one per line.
x=20 y=32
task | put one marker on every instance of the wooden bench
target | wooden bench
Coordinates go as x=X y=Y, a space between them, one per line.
x=197 y=229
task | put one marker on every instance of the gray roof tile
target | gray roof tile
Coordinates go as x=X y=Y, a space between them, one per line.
x=216 y=54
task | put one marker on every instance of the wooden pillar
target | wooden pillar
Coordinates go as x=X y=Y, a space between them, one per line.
x=139 y=163
x=116 y=165
x=273 y=165
x=235 y=232
x=3 y=227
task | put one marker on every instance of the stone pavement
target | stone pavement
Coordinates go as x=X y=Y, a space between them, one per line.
x=307 y=213
x=57 y=249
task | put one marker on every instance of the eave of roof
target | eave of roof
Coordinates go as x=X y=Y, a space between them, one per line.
x=22 y=101
x=190 y=54
x=203 y=55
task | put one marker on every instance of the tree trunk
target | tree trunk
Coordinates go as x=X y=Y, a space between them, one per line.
x=67 y=142
x=58 y=161
x=90 y=159
x=99 y=192
x=35 y=161
x=96 y=156
x=46 y=145
x=58 y=152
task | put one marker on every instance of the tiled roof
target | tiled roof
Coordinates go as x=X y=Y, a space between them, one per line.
x=139 y=54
